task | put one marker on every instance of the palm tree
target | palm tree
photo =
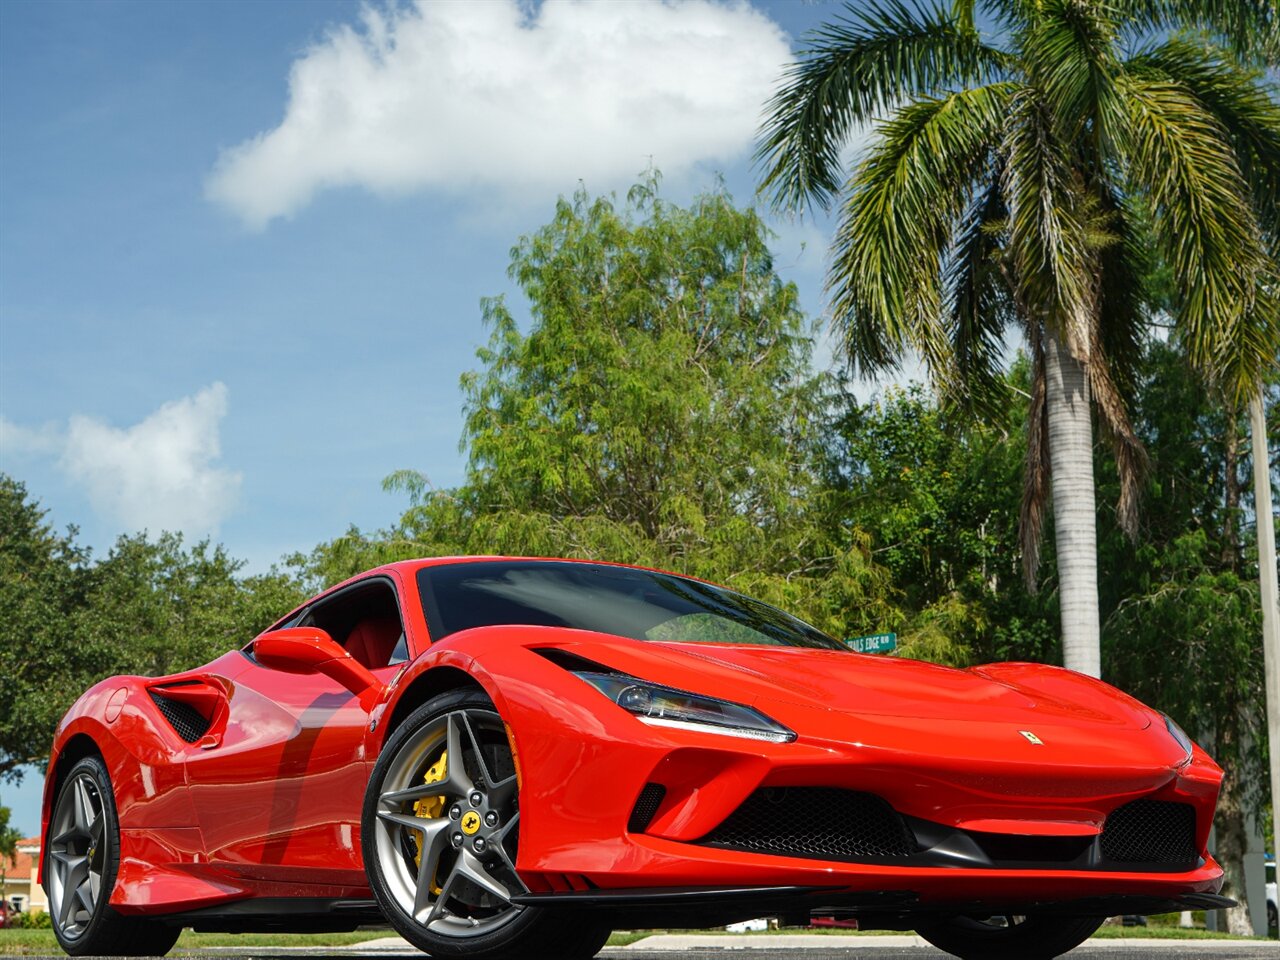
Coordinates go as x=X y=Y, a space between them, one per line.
x=1014 y=185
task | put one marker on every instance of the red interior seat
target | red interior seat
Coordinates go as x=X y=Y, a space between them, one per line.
x=371 y=642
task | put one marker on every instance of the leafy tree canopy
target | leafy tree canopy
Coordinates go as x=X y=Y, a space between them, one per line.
x=658 y=406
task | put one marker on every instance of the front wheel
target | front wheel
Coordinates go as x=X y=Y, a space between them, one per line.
x=1009 y=937
x=440 y=834
x=81 y=858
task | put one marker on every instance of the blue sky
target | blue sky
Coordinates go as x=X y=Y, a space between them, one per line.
x=242 y=245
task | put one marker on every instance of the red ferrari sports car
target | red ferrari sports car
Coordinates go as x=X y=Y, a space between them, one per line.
x=509 y=757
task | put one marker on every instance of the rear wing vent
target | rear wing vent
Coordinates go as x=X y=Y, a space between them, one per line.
x=189 y=723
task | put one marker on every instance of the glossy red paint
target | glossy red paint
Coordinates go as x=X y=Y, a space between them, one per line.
x=266 y=802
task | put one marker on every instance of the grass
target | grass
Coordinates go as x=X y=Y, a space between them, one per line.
x=1110 y=932
x=17 y=943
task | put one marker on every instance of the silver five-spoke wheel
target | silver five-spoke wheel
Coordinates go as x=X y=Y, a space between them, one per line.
x=77 y=855
x=448 y=825
x=80 y=859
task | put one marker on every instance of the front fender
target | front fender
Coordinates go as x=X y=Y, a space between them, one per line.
x=148 y=777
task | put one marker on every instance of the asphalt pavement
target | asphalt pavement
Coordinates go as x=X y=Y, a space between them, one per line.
x=788 y=947
x=791 y=947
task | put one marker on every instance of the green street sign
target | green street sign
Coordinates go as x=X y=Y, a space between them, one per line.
x=875 y=643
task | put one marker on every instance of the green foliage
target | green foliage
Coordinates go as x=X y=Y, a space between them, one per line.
x=1191 y=642
x=938 y=495
x=658 y=407
x=31 y=920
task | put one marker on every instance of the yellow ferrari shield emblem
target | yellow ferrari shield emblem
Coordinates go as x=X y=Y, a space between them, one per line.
x=470 y=822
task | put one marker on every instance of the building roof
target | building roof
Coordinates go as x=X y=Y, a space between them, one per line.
x=26 y=860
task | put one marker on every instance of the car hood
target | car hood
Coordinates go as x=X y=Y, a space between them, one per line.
x=875 y=685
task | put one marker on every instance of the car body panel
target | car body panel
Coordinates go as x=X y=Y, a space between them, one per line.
x=267 y=804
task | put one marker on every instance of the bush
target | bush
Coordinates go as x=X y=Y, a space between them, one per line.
x=30 y=920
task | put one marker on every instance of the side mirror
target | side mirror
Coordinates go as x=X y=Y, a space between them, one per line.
x=311 y=650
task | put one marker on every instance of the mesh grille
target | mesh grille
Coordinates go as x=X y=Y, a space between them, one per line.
x=650 y=799
x=1151 y=831
x=190 y=724
x=815 y=822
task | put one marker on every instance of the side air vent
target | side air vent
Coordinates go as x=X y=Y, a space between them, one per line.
x=189 y=722
x=645 y=808
x=819 y=823
x=1151 y=831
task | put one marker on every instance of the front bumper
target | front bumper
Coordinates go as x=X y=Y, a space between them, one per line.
x=883 y=910
x=585 y=766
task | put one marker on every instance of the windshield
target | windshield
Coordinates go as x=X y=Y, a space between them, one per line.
x=621 y=601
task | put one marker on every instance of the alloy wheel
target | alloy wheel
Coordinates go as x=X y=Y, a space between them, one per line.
x=448 y=825
x=77 y=855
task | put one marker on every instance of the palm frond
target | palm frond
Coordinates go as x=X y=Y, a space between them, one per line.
x=850 y=72
x=1070 y=48
x=1250 y=29
x=1126 y=270
x=1131 y=456
x=896 y=225
x=1049 y=236
x=978 y=302
x=1246 y=107
x=1181 y=157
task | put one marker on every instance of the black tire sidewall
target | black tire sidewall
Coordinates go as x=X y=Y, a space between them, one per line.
x=97 y=770
x=503 y=940
x=1038 y=938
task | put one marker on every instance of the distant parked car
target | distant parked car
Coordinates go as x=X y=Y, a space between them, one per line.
x=4 y=913
x=1273 y=921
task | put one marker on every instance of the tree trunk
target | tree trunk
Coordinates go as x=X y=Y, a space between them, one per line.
x=1268 y=588
x=1074 y=521
x=1231 y=844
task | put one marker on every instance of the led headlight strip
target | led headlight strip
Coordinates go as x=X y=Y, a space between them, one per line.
x=1178 y=734
x=661 y=706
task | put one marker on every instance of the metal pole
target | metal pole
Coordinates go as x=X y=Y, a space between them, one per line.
x=1270 y=603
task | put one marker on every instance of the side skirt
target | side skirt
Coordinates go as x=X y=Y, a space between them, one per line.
x=280 y=915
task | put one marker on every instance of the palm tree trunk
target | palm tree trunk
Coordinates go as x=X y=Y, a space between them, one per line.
x=1074 y=521
x=1267 y=587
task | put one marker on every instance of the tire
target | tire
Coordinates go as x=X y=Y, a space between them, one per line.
x=440 y=853
x=81 y=858
x=1272 y=921
x=1009 y=938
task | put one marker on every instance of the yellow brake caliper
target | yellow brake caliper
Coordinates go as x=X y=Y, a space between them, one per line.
x=431 y=808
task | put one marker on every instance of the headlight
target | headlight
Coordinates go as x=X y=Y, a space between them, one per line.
x=1178 y=734
x=661 y=706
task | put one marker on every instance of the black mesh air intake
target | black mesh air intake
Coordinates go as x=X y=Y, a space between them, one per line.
x=190 y=724
x=650 y=799
x=820 y=823
x=1151 y=831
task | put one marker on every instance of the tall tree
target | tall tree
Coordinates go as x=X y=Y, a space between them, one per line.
x=655 y=405
x=1013 y=185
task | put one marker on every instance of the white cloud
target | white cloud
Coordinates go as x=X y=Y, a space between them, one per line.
x=19 y=441
x=159 y=474
x=453 y=94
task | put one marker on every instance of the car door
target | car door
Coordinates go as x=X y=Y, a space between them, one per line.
x=278 y=798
